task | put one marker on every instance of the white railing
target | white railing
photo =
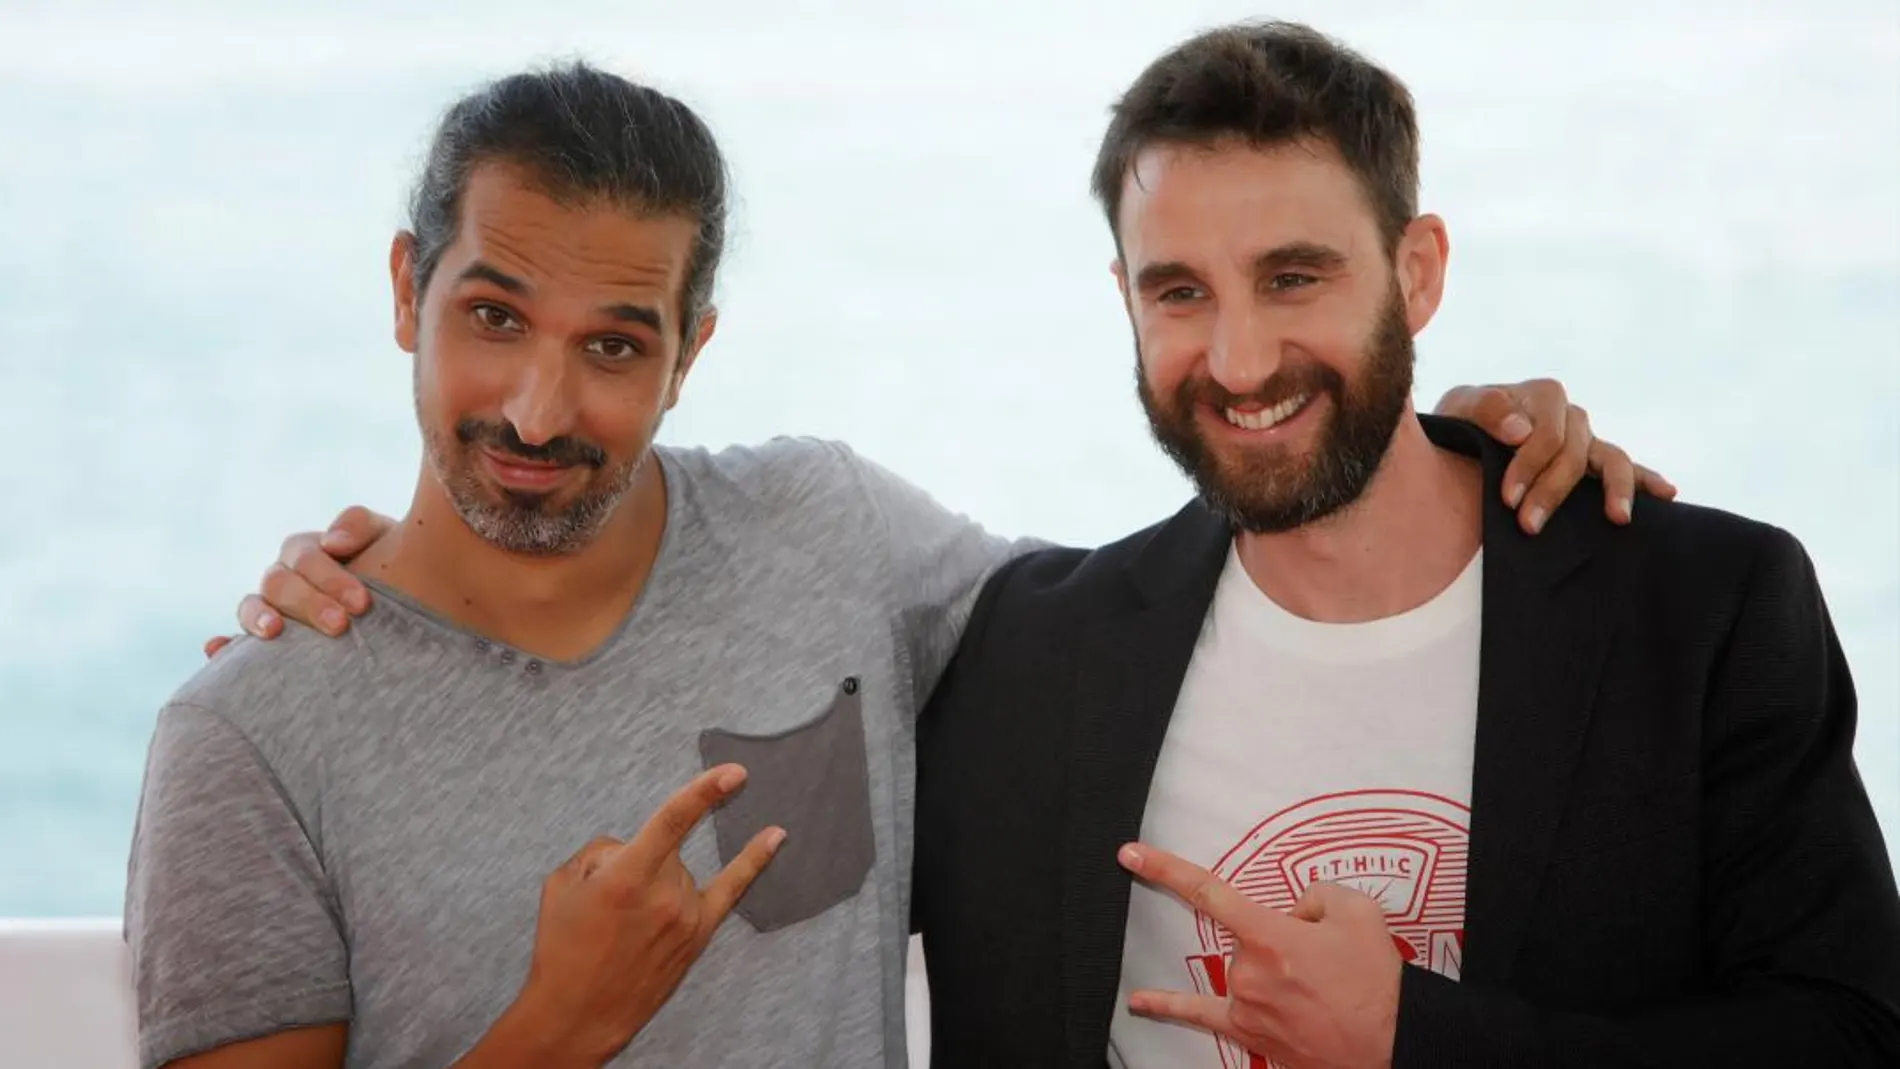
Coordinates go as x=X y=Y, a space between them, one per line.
x=66 y=999
x=65 y=995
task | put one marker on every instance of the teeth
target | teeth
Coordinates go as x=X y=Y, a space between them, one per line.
x=1267 y=417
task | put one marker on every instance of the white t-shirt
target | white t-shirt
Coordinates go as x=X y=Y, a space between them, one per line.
x=1303 y=751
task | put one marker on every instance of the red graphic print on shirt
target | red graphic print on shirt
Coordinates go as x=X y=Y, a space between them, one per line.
x=1403 y=848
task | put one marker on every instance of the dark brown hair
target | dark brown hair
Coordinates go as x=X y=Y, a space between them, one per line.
x=1267 y=84
x=580 y=132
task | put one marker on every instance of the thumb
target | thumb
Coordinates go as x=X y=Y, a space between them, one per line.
x=1324 y=898
x=1311 y=906
x=1503 y=415
x=353 y=530
x=1495 y=409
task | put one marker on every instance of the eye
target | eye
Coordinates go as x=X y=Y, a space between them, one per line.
x=1290 y=280
x=1177 y=294
x=614 y=347
x=494 y=317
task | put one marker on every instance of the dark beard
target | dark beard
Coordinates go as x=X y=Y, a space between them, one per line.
x=1270 y=490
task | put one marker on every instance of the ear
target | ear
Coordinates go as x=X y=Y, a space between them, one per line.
x=1120 y=270
x=708 y=322
x=1420 y=260
x=402 y=285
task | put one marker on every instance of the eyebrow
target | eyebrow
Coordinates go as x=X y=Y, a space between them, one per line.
x=1155 y=275
x=644 y=315
x=1299 y=254
x=637 y=313
x=1307 y=254
x=481 y=272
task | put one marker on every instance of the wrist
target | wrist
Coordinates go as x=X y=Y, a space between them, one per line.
x=528 y=1034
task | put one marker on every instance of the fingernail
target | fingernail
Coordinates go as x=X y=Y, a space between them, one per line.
x=731 y=778
x=1537 y=519
x=1514 y=495
x=265 y=622
x=356 y=600
x=1516 y=426
x=1137 y=1004
x=331 y=619
x=1626 y=507
x=1131 y=858
x=330 y=538
x=774 y=838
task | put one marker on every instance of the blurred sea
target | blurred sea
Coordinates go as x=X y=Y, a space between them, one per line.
x=1685 y=211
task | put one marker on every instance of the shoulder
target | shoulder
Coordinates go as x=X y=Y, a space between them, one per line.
x=781 y=475
x=1693 y=547
x=1054 y=589
x=789 y=512
x=1063 y=573
x=280 y=695
x=1705 y=548
x=1695 y=573
x=820 y=498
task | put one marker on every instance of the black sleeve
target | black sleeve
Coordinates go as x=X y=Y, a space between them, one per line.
x=971 y=638
x=1801 y=921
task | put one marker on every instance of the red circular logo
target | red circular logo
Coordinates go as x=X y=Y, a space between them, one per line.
x=1405 y=849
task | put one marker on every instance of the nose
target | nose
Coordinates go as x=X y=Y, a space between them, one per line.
x=541 y=405
x=1244 y=351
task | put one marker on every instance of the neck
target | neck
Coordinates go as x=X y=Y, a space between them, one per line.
x=557 y=607
x=1406 y=538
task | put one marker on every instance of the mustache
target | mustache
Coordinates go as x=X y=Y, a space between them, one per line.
x=501 y=437
x=1283 y=385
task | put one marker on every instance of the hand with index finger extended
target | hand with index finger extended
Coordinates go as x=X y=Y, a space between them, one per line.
x=621 y=923
x=1207 y=893
x=668 y=827
x=1315 y=987
x=655 y=850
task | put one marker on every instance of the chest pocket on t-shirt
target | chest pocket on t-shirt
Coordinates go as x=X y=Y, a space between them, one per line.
x=813 y=780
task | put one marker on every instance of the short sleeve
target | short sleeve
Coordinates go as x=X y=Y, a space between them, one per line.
x=231 y=921
x=938 y=561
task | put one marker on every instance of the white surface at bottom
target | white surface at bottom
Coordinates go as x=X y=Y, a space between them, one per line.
x=65 y=995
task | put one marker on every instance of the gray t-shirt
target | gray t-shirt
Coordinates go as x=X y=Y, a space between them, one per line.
x=357 y=829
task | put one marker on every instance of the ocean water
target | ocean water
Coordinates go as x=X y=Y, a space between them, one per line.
x=1685 y=211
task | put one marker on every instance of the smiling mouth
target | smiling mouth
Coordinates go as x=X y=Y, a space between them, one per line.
x=1268 y=418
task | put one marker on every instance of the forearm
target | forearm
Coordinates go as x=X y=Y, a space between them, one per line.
x=525 y=1038
x=1443 y=1023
